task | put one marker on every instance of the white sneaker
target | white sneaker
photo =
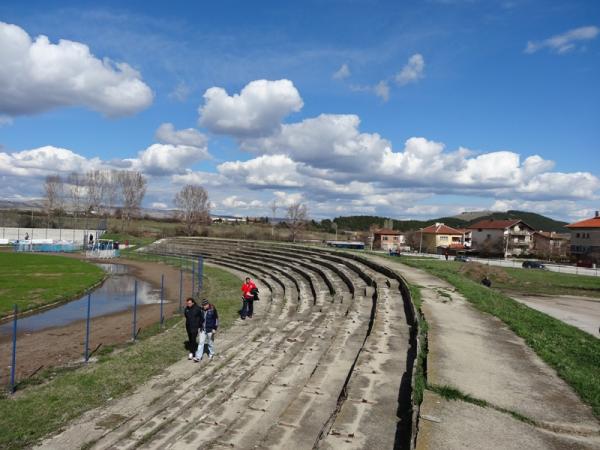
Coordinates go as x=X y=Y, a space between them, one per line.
x=210 y=356
x=196 y=359
x=190 y=356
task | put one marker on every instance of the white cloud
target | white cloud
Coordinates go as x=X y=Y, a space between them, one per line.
x=256 y=111
x=266 y=170
x=565 y=42
x=236 y=203
x=342 y=73
x=165 y=159
x=181 y=92
x=412 y=71
x=327 y=141
x=166 y=134
x=43 y=161
x=37 y=75
x=382 y=90
x=159 y=205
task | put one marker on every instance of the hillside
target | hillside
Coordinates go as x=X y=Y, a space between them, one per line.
x=537 y=221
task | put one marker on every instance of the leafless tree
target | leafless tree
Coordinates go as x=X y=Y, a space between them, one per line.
x=194 y=206
x=297 y=215
x=54 y=194
x=76 y=184
x=133 y=188
x=110 y=190
x=94 y=181
x=274 y=207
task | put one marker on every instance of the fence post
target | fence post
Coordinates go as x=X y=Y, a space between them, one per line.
x=87 y=329
x=162 y=296
x=193 y=278
x=135 y=293
x=200 y=272
x=180 y=289
x=14 y=352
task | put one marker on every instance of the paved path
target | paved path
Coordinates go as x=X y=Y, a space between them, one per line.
x=477 y=354
x=581 y=312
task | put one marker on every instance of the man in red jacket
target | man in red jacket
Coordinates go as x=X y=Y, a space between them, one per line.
x=248 y=298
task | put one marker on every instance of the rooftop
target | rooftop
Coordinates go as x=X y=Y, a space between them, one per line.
x=387 y=231
x=440 y=228
x=594 y=222
x=492 y=224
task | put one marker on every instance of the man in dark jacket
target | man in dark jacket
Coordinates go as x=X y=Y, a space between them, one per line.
x=193 y=322
x=210 y=323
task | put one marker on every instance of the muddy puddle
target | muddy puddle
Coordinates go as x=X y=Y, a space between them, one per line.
x=114 y=295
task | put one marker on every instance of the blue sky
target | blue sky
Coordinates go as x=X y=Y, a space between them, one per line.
x=381 y=97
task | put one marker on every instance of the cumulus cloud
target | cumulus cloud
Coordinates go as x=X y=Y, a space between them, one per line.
x=412 y=71
x=236 y=203
x=342 y=73
x=327 y=141
x=256 y=111
x=166 y=134
x=43 y=161
x=159 y=205
x=264 y=171
x=37 y=75
x=165 y=159
x=565 y=42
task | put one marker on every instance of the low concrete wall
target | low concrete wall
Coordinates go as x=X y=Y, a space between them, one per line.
x=56 y=234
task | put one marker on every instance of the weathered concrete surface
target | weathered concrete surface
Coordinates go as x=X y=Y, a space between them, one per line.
x=451 y=425
x=581 y=312
x=477 y=354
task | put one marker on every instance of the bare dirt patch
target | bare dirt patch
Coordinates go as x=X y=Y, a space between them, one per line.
x=476 y=271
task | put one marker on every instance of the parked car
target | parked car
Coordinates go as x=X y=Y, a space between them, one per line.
x=461 y=258
x=533 y=265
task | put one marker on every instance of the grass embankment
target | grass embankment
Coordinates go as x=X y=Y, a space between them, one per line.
x=66 y=394
x=31 y=281
x=573 y=353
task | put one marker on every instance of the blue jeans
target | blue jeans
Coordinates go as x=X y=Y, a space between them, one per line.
x=205 y=338
x=248 y=307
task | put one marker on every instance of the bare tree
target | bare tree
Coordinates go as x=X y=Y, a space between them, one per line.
x=274 y=207
x=94 y=180
x=76 y=183
x=110 y=190
x=297 y=215
x=194 y=206
x=133 y=189
x=54 y=190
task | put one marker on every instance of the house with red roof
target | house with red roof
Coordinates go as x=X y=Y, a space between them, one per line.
x=585 y=240
x=387 y=239
x=440 y=238
x=551 y=245
x=511 y=237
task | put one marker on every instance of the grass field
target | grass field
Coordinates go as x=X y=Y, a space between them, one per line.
x=31 y=280
x=574 y=354
x=63 y=395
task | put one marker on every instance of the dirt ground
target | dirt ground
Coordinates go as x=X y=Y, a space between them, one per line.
x=65 y=345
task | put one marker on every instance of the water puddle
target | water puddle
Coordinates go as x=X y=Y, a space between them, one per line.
x=115 y=295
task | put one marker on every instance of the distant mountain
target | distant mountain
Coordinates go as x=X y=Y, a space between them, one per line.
x=537 y=221
x=469 y=216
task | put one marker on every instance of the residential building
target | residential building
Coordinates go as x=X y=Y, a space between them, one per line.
x=585 y=240
x=387 y=239
x=551 y=245
x=439 y=238
x=511 y=237
x=467 y=237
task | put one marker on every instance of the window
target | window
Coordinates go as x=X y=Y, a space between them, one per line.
x=444 y=238
x=489 y=236
x=577 y=235
x=384 y=238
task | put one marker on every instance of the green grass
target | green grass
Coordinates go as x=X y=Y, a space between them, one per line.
x=573 y=353
x=31 y=280
x=65 y=394
x=421 y=370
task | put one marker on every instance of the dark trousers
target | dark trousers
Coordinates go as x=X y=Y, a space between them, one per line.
x=193 y=340
x=248 y=307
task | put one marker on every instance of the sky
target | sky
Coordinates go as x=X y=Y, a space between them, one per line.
x=406 y=109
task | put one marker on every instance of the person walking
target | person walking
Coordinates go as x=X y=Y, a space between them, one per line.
x=210 y=323
x=193 y=322
x=248 y=289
